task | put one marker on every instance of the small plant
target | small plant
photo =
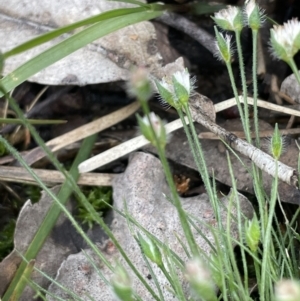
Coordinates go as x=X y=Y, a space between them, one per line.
x=100 y=198
x=220 y=278
x=6 y=238
x=33 y=193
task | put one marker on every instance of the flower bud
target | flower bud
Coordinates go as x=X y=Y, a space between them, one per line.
x=166 y=94
x=223 y=44
x=154 y=132
x=277 y=144
x=252 y=234
x=151 y=250
x=200 y=280
x=121 y=284
x=139 y=84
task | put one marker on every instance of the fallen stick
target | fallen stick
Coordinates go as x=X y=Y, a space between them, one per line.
x=285 y=173
x=241 y=134
x=261 y=159
x=52 y=177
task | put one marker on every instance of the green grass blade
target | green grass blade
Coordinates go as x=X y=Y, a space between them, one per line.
x=70 y=45
x=23 y=281
x=135 y=2
x=51 y=217
x=31 y=121
x=58 y=32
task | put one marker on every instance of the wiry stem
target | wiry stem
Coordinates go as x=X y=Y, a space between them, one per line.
x=244 y=84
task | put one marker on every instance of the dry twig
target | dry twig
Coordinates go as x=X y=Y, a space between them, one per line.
x=285 y=173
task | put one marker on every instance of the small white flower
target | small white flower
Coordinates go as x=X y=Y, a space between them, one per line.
x=292 y=28
x=254 y=14
x=155 y=121
x=200 y=279
x=139 y=84
x=183 y=77
x=159 y=136
x=227 y=14
x=285 y=39
x=287 y=290
x=183 y=86
x=229 y=18
x=249 y=7
x=287 y=33
x=166 y=93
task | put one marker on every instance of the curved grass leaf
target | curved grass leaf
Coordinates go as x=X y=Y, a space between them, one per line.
x=65 y=29
x=71 y=44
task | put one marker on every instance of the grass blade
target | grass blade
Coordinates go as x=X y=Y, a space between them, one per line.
x=70 y=45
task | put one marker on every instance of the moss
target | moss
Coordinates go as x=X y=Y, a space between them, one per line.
x=99 y=198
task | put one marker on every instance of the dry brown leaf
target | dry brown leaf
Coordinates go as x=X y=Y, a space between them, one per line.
x=142 y=186
x=104 y=60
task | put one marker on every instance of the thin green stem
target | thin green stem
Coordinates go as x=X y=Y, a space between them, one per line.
x=294 y=68
x=255 y=90
x=245 y=118
x=236 y=95
x=200 y=160
x=172 y=282
x=229 y=249
x=181 y=213
x=255 y=172
x=75 y=188
x=235 y=197
x=244 y=84
x=257 y=273
x=197 y=155
x=258 y=190
x=53 y=211
x=267 y=242
x=42 y=144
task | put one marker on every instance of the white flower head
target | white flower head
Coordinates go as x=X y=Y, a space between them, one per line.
x=249 y=7
x=155 y=122
x=183 y=86
x=165 y=91
x=229 y=18
x=139 y=84
x=183 y=77
x=154 y=131
x=200 y=279
x=254 y=15
x=292 y=29
x=285 y=39
x=287 y=290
